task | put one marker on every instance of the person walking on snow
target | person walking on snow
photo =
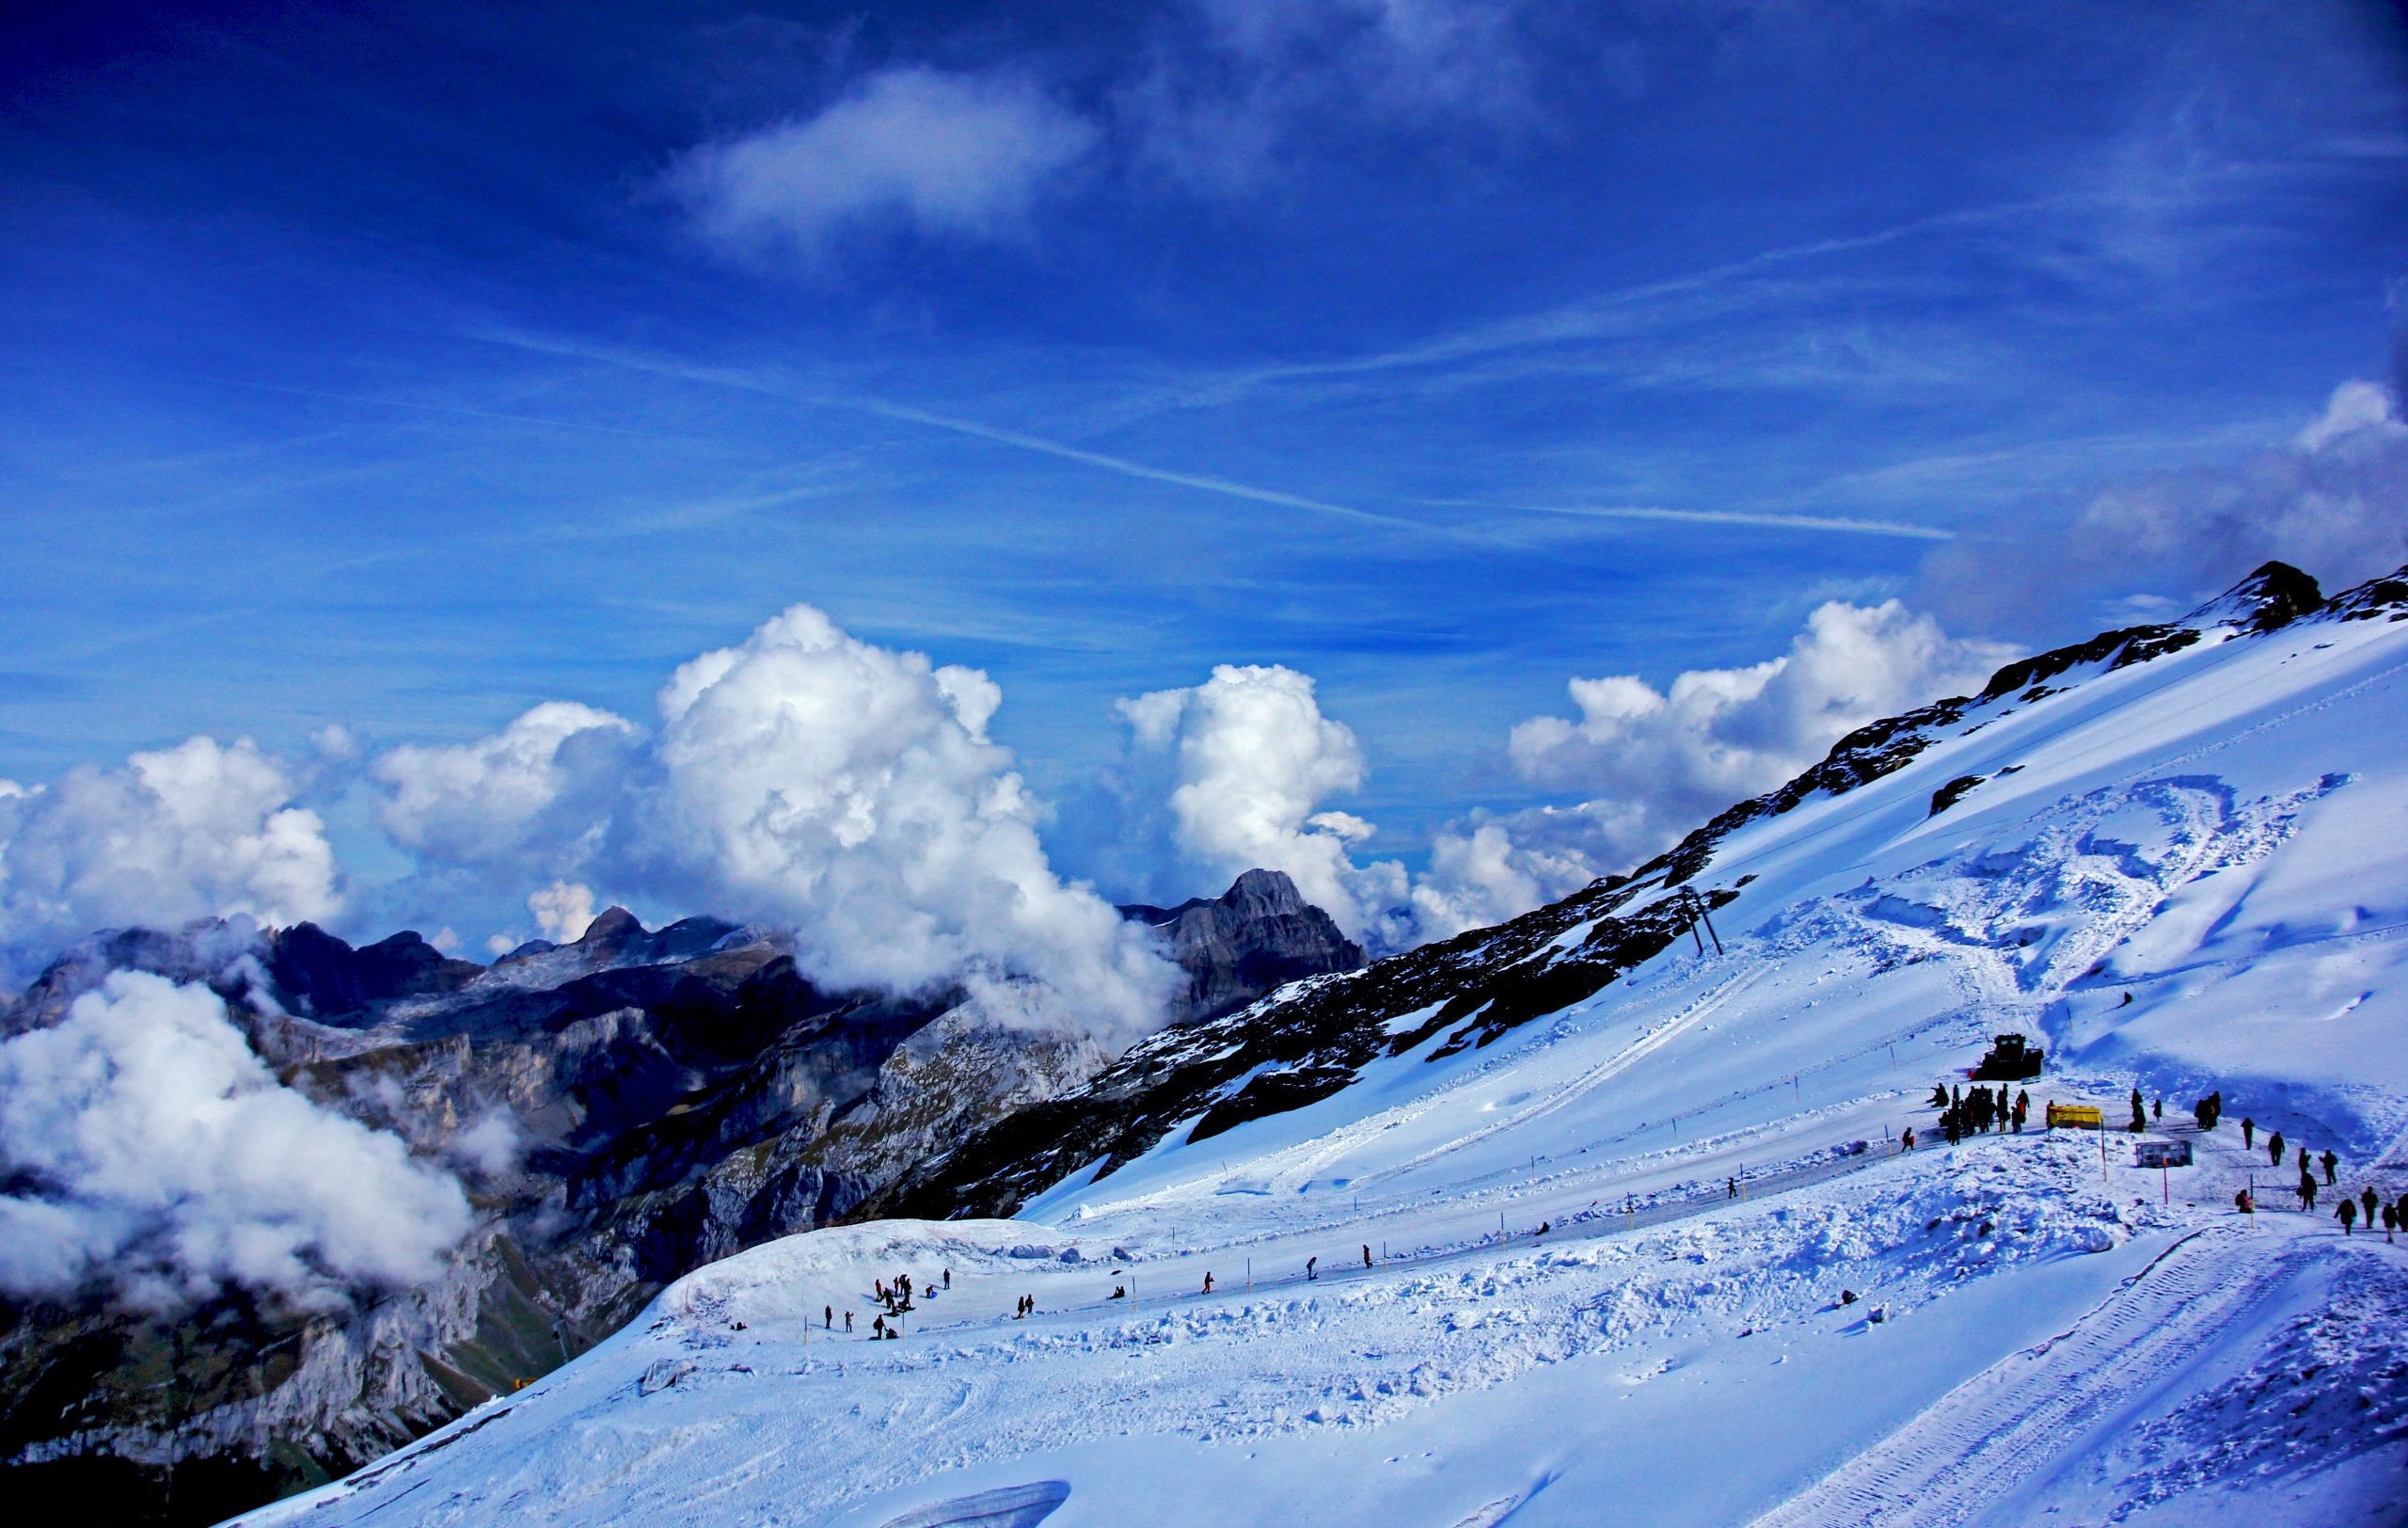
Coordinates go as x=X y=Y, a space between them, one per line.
x=2367 y=1199
x=2390 y=1221
x=1309 y=1274
x=2139 y=1113
x=1367 y=1254
x=2331 y=1162
x=1208 y=1281
x=1907 y=1140
x=2307 y=1190
x=848 y=1322
x=2347 y=1212
x=2248 y=1129
x=2157 y=1110
x=1730 y=1188
x=826 y=1318
x=2275 y=1148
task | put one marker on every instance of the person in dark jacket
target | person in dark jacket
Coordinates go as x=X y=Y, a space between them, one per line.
x=2248 y=1129
x=2331 y=1162
x=1208 y=1281
x=827 y=1318
x=2275 y=1148
x=2367 y=1199
x=1938 y=1096
x=2390 y=1221
x=2347 y=1212
x=1309 y=1264
x=2307 y=1190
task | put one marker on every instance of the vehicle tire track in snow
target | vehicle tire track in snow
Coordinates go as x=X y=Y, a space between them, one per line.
x=1957 y=1459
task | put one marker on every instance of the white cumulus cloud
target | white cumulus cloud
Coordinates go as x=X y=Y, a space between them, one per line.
x=1653 y=764
x=561 y=911
x=199 y=830
x=532 y=791
x=957 y=155
x=148 y=1150
x=851 y=792
x=805 y=779
x=1253 y=759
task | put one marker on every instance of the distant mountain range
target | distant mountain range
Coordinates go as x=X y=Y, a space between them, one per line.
x=674 y=1096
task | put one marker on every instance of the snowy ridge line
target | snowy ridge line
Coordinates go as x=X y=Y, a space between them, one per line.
x=1957 y=1459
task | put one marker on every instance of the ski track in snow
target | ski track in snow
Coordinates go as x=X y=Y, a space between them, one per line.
x=1951 y=1463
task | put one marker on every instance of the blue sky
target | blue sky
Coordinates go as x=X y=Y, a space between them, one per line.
x=401 y=372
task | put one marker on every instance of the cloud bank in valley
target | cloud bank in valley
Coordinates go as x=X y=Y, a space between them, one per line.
x=150 y=1152
x=199 y=830
x=805 y=779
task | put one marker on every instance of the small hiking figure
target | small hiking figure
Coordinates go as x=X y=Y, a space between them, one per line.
x=848 y=1322
x=2367 y=1199
x=877 y=1327
x=1208 y=1281
x=2157 y=1110
x=2390 y=1221
x=1731 y=1188
x=2248 y=1130
x=1907 y=1140
x=2303 y=1159
x=2275 y=1148
x=2331 y=1162
x=2243 y=1203
x=2347 y=1212
x=1367 y=1248
x=2307 y=1190
x=1309 y=1262
x=2139 y=1113
x=2022 y=1111
x=826 y=1318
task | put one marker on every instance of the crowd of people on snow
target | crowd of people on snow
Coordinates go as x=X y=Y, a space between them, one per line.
x=1964 y=1113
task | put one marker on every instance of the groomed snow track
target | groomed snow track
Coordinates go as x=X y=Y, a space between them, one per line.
x=1956 y=1460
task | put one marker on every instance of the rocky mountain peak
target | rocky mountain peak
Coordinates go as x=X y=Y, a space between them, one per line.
x=1259 y=934
x=2274 y=595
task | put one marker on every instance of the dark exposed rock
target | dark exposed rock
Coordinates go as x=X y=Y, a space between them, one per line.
x=1258 y=935
x=320 y=974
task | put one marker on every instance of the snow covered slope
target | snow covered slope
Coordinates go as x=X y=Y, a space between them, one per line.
x=2178 y=858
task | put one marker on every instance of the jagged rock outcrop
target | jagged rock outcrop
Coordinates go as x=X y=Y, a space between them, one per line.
x=1258 y=935
x=663 y=1098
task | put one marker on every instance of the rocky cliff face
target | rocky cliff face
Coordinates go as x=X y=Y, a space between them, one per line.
x=1258 y=935
x=623 y=1110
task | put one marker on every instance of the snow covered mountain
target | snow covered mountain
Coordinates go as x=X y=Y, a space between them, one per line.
x=1600 y=1215
x=622 y=1109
